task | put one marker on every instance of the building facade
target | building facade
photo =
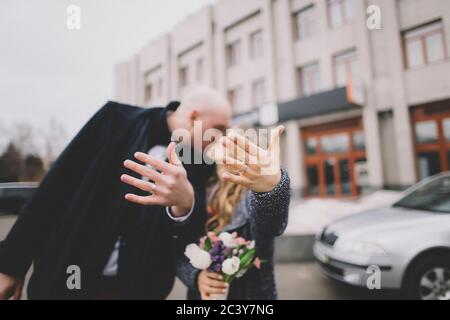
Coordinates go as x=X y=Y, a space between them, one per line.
x=364 y=109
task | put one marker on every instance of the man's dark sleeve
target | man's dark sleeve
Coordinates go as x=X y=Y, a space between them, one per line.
x=51 y=199
x=194 y=227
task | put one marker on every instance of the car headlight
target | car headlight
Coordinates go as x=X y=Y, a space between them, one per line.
x=360 y=248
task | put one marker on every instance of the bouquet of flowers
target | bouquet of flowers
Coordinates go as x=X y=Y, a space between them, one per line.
x=226 y=253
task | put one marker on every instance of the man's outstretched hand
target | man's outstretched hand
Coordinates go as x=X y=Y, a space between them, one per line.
x=10 y=287
x=169 y=187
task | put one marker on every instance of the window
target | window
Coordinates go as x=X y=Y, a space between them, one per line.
x=148 y=93
x=311 y=145
x=259 y=92
x=424 y=45
x=345 y=68
x=235 y=97
x=309 y=79
x=335 y=143
x=446 y=124
x=305 y=23
x=199 y=70
x=256 y=44
x=359 y=140
x=433 y=197
x=427 y=132
x=340 y=12
x=183 y=77
x=233 y=53
x=431 y=125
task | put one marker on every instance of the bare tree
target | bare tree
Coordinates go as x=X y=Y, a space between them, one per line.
x=24 y=138
x=10 y=164
x=55 y=139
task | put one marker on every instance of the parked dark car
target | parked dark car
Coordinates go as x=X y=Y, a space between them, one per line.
x=15 y=195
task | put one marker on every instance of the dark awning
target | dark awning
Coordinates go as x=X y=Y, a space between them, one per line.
x=331 y=101
x=318 y=104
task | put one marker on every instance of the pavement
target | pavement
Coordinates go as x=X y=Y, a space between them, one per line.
x=310 y=216
x=295 y=281
x=305 y=281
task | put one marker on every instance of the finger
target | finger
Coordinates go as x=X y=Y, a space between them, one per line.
x=241 y=180
x=152 y=161
x=275 y=136
x=204 y=295
x=216 y=284
x=138 y=183
x=18 y=292
x=143 y=171
x=172 y=155
x=210 y=290
x=216 y=152
x=148 y=200
x=274 y=148
x=214 y=275
x=232 y=164
x=244 y=143
x=235 y=151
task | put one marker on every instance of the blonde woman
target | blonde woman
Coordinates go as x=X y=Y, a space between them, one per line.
x=248 y=200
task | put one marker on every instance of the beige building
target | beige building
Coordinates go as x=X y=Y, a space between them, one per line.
x=364 y=108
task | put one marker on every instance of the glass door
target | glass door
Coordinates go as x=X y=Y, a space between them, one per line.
x=332 y=153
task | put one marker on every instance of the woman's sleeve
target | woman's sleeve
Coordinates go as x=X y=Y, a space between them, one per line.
x=270 y=209
x=187 y=273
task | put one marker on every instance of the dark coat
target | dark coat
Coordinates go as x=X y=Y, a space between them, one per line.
x=260 y=217
x=76 y=214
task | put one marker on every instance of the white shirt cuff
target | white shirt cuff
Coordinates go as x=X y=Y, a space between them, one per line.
x=180 y=219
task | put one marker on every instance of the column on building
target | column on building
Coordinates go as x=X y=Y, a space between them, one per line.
x=403 y=130
x=366 y=80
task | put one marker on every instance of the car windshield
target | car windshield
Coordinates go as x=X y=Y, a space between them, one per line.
x=433 y=196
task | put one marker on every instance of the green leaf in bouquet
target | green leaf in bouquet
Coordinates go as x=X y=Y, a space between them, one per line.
x=208 y=244
x=227 y=278
x=247 y=258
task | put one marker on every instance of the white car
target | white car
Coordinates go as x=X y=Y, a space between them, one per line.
x=408 y=243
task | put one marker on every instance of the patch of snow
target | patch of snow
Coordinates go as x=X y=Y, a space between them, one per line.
x=310 y=216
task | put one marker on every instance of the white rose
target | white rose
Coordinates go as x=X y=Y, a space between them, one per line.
x=251 y=245
x=199 y=258
x=228 y=240
x=231 y=265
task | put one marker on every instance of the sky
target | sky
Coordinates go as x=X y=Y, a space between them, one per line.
x=50 y=73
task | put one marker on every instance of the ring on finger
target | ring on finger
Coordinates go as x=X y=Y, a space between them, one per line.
x=243 y=170
x=152 y=187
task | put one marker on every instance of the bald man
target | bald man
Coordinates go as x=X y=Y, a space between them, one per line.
x=91 y=236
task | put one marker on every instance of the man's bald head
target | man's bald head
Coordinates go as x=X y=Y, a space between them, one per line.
x=205 y=99
x=205 y=105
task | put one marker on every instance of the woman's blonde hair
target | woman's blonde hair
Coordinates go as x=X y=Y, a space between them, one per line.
x=222 y=204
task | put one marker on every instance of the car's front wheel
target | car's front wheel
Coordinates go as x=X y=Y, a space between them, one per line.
x=429 y=279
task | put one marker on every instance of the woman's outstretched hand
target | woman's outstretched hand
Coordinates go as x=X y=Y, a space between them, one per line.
x=249 y=165
x=210 y=283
